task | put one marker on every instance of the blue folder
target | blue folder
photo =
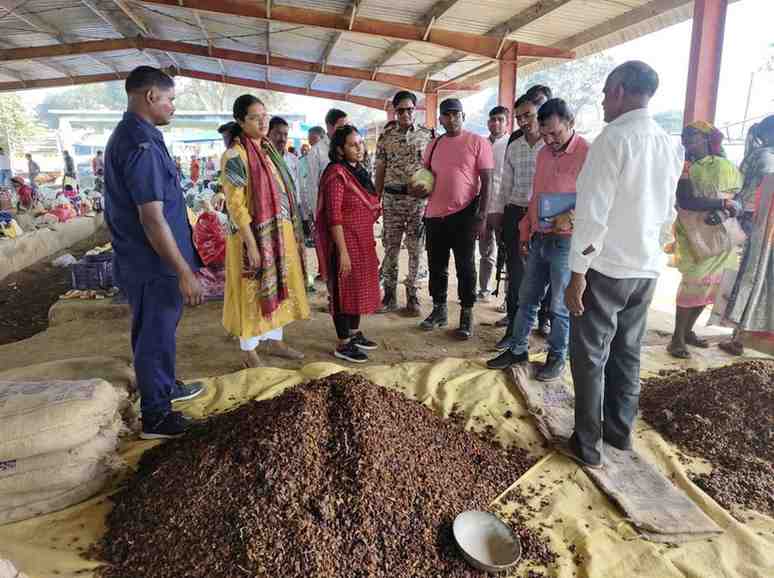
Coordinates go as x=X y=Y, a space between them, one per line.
x=552 y=204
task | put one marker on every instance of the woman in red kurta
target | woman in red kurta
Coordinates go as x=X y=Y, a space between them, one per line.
x=347 y=208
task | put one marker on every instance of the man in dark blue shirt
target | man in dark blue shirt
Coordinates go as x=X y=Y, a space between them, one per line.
x=154 y=256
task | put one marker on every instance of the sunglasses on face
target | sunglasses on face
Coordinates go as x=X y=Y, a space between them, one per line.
x=407 y=110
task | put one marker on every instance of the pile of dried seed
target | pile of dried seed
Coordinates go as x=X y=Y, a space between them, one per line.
x=725 y=415
x=336 y=478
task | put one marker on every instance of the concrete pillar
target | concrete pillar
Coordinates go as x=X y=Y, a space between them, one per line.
x=709 y=25
x=431 y=109
x=506 y=92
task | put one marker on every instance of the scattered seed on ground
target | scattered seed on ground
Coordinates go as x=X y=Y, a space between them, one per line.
x=726 y=416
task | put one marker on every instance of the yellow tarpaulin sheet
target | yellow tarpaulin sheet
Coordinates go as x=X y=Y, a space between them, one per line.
x=571 y=509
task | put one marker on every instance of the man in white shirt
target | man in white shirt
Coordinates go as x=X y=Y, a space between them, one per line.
x=318 y=156
x=5 y=170
x=487 y=245
x=624 y=213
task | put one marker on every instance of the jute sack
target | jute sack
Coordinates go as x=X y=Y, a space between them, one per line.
x=23 y=507
x=8 y=570
x=40 y=417
x=65 y=469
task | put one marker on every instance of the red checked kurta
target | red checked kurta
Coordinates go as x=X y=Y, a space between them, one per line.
x=343 y=201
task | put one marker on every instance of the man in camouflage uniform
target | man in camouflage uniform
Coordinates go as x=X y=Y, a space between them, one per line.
x=398 y=156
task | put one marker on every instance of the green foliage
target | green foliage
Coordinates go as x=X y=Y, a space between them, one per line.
x=102 y=96
x=670 y=120
x=579 y=82
x=17 y=124
x=194 y=94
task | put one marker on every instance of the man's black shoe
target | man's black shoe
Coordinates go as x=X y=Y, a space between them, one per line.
x=506 y=359
x=170 y=425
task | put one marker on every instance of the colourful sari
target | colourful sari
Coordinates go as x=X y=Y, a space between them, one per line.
x=714 y=177
x=259 y=194
x=751 y=305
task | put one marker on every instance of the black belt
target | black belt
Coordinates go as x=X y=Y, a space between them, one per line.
x=396 y=189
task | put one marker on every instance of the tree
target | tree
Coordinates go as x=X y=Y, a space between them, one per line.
x=17 y=124
x=195 y=94
x=579 y=82
x=102 y=96
x=670 y=120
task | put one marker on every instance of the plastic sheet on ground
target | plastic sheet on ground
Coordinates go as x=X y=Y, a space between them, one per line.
x=572 y=510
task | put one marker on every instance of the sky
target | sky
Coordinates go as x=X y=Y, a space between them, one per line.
x=749 y=33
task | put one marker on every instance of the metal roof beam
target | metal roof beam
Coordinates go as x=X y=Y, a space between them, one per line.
x=97 y=46
x=504 y=30
x=478 y=45
x=129 y=13
x=438 y=11
x=67 y=81
x=626 y=20
x=119 y=27
x=527 y=16
x=369 y=102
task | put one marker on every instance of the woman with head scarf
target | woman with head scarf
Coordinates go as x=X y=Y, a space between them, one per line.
x=705 y=197
x=264 y=255
x=751 y=305
x=347 y=208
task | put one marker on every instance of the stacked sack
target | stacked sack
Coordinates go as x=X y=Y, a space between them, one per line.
x=58 y=442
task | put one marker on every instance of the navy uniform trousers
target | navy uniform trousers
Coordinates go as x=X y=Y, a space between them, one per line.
x=157 y=306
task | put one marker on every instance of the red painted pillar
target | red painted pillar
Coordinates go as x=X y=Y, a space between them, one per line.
x=709 y=25
x=431 y=109
x=506 y=92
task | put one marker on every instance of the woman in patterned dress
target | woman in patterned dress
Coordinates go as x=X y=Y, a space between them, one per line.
x=265 y=288
x=347 y=209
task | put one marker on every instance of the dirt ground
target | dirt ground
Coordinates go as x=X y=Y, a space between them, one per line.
x=203 y=347
x=26 y=296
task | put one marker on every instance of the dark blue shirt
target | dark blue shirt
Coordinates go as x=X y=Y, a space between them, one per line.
x=139 y=170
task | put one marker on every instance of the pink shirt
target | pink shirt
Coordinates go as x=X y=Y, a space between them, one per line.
x=554 y=173
x=457 y=165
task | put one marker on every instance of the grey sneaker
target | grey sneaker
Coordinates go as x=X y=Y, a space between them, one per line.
x=552 y=369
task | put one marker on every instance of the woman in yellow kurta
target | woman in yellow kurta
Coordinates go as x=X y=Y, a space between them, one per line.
x=265 y=288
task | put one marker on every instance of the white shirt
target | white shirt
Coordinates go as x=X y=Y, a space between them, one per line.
x=318 y=160
x=5 y=162
x=498 y=148
x=626 y=199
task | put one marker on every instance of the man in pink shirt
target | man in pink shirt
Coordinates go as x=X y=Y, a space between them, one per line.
x=545 y=233
x=463 y=165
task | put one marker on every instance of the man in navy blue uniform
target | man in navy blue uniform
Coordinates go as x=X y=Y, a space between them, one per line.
x=154 y=256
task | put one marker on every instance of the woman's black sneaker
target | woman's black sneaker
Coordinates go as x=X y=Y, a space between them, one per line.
x=363 y=342
x=351 y=352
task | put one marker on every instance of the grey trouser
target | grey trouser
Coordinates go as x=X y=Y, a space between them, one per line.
x=605 y=358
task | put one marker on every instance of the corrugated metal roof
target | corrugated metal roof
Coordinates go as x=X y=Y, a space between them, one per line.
x=569 y=23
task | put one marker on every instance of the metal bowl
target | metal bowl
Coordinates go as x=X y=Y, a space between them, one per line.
x=486 y=542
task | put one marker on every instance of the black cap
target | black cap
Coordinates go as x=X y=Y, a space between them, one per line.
x=451 y=105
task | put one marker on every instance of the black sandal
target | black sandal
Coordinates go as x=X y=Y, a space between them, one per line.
x=678 y=352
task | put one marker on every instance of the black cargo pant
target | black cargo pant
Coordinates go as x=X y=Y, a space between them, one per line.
x=452 y=234
x=605 y=358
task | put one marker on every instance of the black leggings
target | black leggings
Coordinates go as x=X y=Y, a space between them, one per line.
x=345 y=323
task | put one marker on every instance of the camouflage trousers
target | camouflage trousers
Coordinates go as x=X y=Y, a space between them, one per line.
x=402 y=215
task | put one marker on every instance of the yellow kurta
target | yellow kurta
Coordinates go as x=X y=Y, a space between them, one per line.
x=242 y=316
